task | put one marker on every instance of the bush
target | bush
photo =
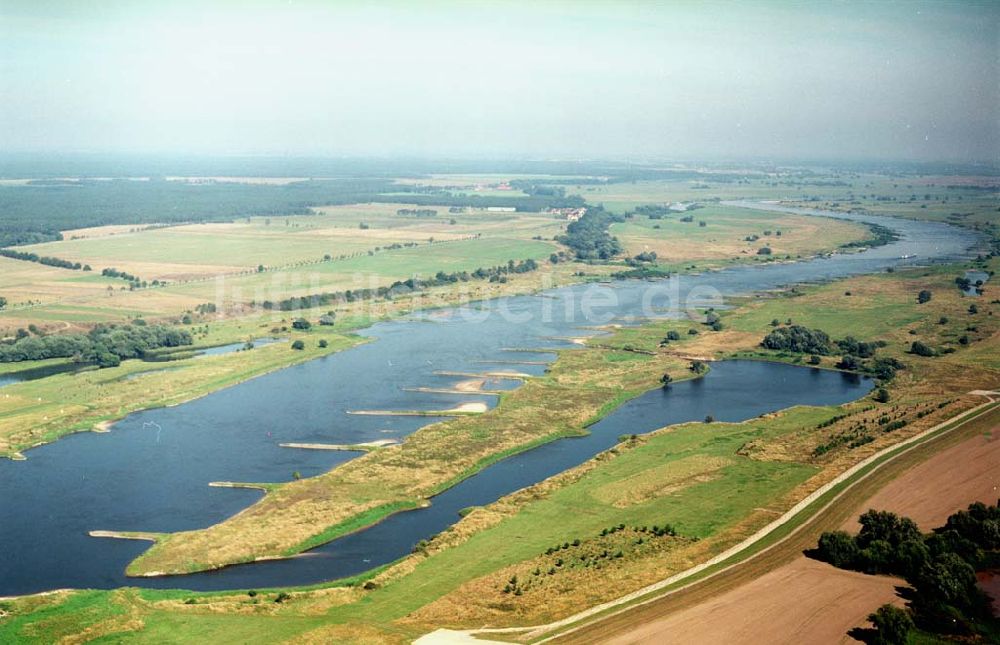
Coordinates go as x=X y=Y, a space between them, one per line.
x=815 y=360
x=299 y=345
x=301 y=323
x=323 y=343
x=882 y=395
x=920 y=349
x=924 y=296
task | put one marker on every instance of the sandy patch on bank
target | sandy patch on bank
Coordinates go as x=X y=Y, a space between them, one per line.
x=470 y=385
x=471 y=407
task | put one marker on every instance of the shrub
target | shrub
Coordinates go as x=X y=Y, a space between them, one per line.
x=920 y=349
x=924 y=296
x=299 y=345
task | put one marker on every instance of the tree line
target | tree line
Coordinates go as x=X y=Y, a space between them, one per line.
x=105 y=345
x=26 y=256
x=400 y=287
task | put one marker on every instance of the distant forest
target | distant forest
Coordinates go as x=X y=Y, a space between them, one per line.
x=39 y=211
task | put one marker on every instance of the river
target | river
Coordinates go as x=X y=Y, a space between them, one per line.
x=151 y=473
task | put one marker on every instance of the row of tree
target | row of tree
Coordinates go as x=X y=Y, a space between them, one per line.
x=401 y=287
x=105 y=345
x=43 y=259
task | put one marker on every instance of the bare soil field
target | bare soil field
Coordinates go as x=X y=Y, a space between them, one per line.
x=802 y=602
x=952 y=480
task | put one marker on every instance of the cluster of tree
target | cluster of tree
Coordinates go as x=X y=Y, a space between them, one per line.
x=854 y=347
x=878 y=236
x=940 y=566
x=401 y=287
x=799 y=339
x=43 y=259
x=858 y=356
x=654 y=211
x=106 y=345
x=538 y=190
x=641 y=258
x=417 y=212
x=588 y=236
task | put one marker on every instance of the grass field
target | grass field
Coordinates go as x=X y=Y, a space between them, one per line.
x=725 y=232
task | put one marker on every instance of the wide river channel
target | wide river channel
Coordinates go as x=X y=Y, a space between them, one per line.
x=151 y=472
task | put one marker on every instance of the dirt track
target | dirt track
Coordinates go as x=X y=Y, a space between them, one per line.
x=782 y=597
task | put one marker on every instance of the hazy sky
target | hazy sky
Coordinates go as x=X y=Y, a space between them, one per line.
x=552 y=79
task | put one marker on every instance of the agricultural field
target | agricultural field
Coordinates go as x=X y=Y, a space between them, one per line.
x=27 y=283
x=260 y=258
x=180 y=253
